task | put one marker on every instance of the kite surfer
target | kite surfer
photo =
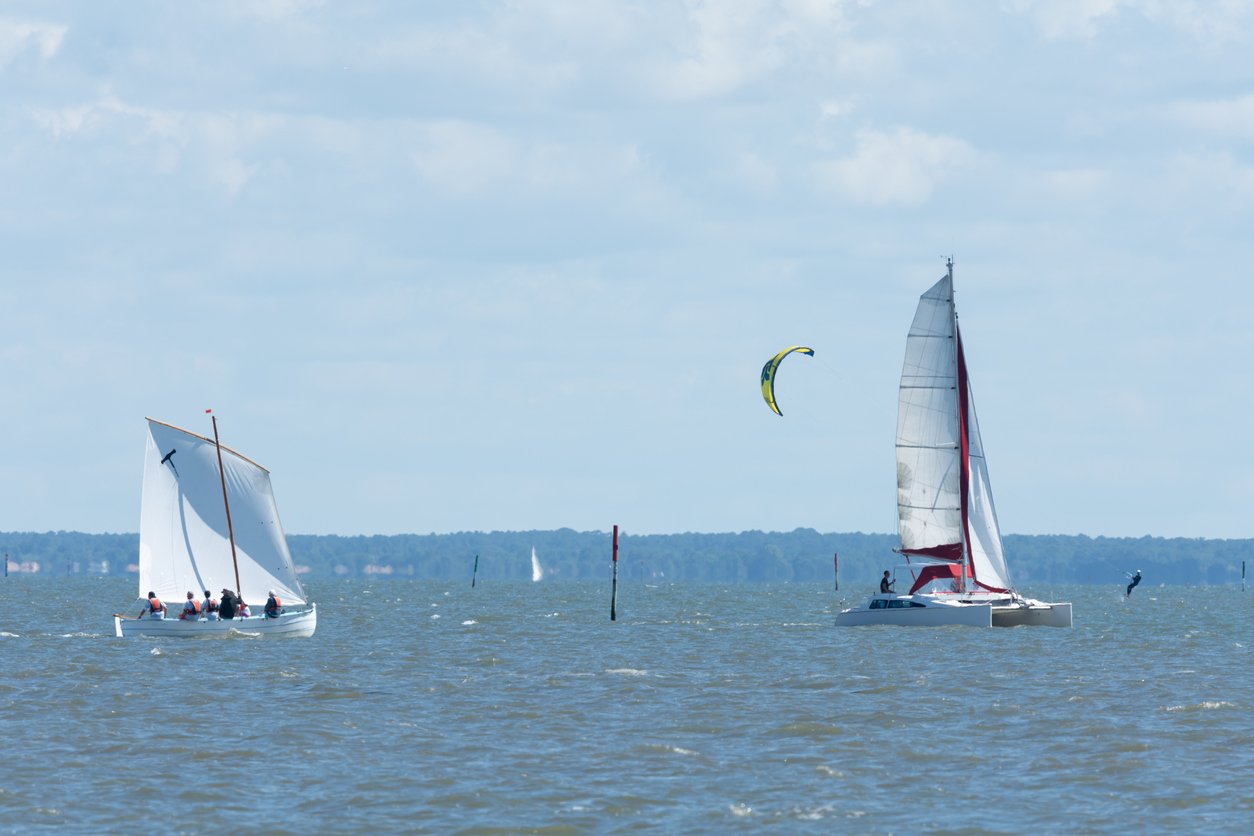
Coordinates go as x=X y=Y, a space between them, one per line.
x=1135 y=580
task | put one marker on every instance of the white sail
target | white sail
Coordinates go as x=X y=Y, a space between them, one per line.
x=537 y=572
x=935 y=403
x=984 y=535
x=929 y=455
x=183 y=537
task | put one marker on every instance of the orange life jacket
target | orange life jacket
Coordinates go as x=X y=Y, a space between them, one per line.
x=155 y=605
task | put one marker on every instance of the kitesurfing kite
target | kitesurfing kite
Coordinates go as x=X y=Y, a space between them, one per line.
x=768 y=374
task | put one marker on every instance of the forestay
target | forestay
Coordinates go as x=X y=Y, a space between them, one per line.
x=183 y=536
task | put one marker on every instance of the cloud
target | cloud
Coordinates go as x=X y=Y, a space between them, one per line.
x=1207 y=21
x=466 y=159
x=1224 y=117
x=1067 y=19
x=901 y=167
x=166 y=141
x=16 y=37
x=726 y=45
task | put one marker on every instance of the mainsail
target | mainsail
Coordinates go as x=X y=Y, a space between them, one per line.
x=184 y=544
x=944 y=499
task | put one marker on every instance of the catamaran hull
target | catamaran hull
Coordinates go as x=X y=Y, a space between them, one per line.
x=925 y=610
x=299 y=624
x=1035 y=614
x=969 y=615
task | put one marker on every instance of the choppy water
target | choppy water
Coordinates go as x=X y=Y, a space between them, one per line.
x=422 y=706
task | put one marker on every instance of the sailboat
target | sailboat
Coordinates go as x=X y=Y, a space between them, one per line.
x=946 y=520
x=537 y=571
x=208 y=522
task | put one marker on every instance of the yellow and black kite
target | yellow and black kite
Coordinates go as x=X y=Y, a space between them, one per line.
x=768 y=374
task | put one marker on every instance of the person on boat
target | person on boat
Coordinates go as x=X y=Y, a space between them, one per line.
x=886 y=585
x=1135 y=580
x=228 y=608
x=244 y=611
x=191 y=610
x=274 y=607
x=153 y=607
x=210 y=607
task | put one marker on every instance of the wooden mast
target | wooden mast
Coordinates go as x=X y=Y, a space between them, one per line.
x=230 y=531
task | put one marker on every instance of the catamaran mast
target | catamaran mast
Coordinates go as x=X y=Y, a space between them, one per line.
x=230 y=531
x=964 y=464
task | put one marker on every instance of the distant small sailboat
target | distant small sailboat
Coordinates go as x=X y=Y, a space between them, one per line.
x=537 y=571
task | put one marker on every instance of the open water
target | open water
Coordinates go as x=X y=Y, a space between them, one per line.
x=433 y=707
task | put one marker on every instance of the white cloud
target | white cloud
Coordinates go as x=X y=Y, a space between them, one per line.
x=1067 y=19
x=1209 y=21
x=1223 y=117
x=902 y=167
x=271 y=10
x=756 y=172
x=469 y=160
x=462 y=158
x=167 y=141
x=1074 y=184
x=18 y=36
x=726 y=45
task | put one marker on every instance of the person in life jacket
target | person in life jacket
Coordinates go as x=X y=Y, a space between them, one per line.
x=191 y=610
x=210 y=607
x=274 y=607
x=153 y=607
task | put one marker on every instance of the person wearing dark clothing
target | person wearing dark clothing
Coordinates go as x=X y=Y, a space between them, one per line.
x=228 y=606
x=886 y=586
x=1135 y=580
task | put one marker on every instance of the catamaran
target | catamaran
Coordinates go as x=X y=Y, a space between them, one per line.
x=946 y=520
x=208 y=521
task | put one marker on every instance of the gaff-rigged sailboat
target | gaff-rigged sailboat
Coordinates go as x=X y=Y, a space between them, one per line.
x=948 y=526
x=208 y=521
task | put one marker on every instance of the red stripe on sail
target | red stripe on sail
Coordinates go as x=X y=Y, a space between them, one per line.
x=949 y=551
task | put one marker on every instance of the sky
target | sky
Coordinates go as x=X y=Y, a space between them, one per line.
x=457 y=266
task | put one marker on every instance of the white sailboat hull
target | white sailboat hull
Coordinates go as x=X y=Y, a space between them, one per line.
x=1033 y=614
x=935 y=611
x=298 y=624
x=916 y=611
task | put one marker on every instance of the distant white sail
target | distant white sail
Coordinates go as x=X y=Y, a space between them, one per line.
x=183 y=538
x=537 y=572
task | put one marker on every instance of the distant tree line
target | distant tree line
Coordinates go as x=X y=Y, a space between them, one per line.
x=748 y=556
